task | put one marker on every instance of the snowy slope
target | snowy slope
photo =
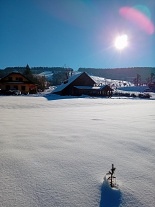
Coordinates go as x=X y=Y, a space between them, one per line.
x=55 y=152
x=111 y=82
x=47 y=74
x=104 y=81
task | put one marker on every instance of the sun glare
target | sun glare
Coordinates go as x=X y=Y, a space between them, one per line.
x=121 y=42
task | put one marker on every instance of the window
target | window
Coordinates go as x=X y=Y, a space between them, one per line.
x=19 y=79
x=23 y=88
x=10 y=78
x=16 y=87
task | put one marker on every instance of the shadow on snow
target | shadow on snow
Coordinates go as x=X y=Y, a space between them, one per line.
x=110 y=197
x=51 y=97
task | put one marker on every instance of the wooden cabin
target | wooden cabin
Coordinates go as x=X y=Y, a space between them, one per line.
x=16 y=80
x=82 y=84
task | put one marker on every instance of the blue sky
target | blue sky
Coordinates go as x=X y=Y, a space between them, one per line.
x=74 y=33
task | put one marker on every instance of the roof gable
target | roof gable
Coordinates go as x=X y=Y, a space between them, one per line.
x=71 y=80
x=14 y=73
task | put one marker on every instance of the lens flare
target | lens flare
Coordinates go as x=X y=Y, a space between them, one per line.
x=139 y=18
x=143 y=9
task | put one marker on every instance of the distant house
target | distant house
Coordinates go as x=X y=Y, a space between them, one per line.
x=82 y=84
x=16 y=80
x=152 y=86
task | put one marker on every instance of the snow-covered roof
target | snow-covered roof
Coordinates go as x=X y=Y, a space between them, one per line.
x=134 y=88
x=69 y=81
x=90 y=87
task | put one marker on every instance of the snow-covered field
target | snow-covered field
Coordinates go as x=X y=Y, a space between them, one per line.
x=55 y=152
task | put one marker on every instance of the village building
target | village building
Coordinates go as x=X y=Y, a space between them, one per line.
x=83 y=84
x=17 y=81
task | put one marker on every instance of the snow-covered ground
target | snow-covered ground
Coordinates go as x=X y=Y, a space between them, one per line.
x=55 y=152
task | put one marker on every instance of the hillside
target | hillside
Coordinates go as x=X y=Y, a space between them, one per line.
x=135 y=75
x=35 y=70
x=126 y=74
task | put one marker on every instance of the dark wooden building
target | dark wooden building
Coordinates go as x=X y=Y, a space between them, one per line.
x=82 y=84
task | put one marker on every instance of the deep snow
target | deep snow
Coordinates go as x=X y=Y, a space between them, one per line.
x=56 y=152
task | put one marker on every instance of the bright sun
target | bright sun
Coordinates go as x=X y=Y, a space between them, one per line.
x=121 y=42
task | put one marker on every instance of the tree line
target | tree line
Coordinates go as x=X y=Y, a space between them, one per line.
x=136 y=75
x=59 y=74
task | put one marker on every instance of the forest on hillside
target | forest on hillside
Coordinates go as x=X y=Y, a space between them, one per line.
x=34 y=70
x=135 y=74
